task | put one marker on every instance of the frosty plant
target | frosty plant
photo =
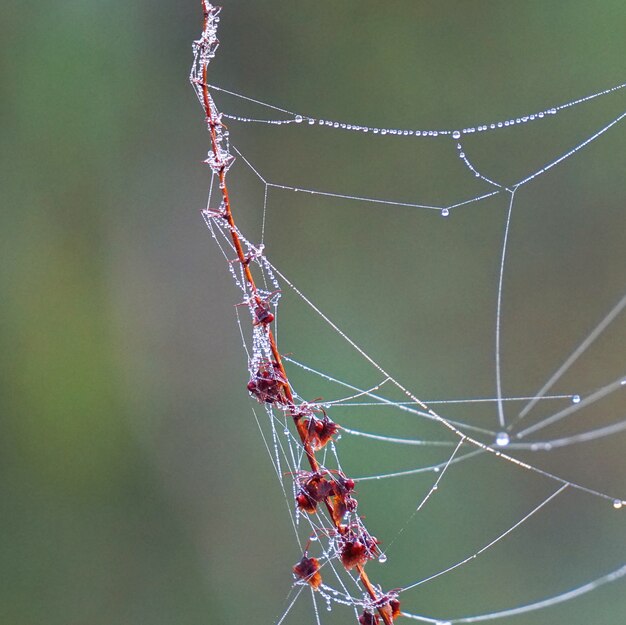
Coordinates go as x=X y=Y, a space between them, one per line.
x=324 y=498
x=269 y=383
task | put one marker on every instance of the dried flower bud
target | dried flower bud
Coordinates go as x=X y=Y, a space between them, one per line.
x=320 y=431
x=262 y=314
x=390 y=606
x=353 y=553
x=341 y=506
x=367 y=618
x=314 y=488
x=394 y=604
x=267 y=384
x=357 y=547
x=308 y=570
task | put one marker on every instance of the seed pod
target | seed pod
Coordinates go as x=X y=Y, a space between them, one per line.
x=308 y=570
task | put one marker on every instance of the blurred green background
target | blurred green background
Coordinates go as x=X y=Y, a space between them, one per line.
x=135 y=487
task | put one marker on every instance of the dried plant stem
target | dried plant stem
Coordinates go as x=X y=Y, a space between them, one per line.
x=301 y=427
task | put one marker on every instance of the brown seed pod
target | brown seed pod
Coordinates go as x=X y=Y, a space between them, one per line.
x=320 y=431
x=267 y=385
x=357 y=547
x=308 y=570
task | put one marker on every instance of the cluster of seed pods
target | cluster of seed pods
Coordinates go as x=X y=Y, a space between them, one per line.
x=331 y=488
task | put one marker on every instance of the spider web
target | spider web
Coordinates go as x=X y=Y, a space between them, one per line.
x=501 y=470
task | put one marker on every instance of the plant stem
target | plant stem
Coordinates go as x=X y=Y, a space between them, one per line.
x=212 y=123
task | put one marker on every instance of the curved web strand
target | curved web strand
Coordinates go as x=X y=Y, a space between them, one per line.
x=574 y=356
x=501 y=418
x=489 y=544
x=455 y=133
x=531 y=607
x=445 y=210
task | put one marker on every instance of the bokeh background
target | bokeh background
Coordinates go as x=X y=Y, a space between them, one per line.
x=135 y=487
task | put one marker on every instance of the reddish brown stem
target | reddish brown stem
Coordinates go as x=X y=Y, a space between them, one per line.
x=300 y=425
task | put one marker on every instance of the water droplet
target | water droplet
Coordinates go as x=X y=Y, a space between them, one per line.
x=456 y=134
x=313 y=538
x=286 y=431
x=502 y=439
x=382 y=558
x=461 y=154
x=445 y=212
x=618 y=504
x=575 y=399
x=436 y=469
x=311 y=121
x=299 y=119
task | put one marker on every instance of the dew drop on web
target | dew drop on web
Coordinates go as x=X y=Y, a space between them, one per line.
x=502 y=439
